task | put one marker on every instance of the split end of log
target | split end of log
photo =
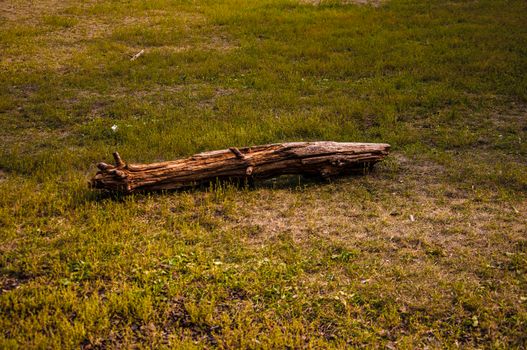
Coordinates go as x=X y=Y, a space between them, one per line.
x=103 y=166
x=107 y=169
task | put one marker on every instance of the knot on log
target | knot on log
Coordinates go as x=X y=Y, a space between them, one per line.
x=119 y=163
x=237 y=152
x=250 y=167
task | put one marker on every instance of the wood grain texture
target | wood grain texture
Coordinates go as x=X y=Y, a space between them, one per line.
x=321 y=158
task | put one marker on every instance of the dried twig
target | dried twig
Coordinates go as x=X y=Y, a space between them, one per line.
x=137 y=55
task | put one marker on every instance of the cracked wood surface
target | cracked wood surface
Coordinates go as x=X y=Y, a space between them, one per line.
x=321 y=158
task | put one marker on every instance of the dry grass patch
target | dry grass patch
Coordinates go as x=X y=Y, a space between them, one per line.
x=415 y=209
x=29 y=11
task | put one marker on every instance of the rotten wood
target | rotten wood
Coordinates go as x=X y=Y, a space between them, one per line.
x=322 y=158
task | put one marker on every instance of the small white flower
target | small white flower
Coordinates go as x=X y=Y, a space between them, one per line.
x=114 y=128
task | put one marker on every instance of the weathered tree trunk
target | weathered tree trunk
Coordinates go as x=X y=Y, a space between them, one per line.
x=323 y=158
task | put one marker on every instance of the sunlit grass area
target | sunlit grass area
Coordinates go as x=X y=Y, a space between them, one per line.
x=429 y=250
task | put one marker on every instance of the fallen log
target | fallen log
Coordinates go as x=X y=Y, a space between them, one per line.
x=322 y=158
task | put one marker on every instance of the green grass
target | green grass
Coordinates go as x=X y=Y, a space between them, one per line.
x=291 y=263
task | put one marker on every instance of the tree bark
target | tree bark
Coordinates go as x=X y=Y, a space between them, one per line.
x=322 y=158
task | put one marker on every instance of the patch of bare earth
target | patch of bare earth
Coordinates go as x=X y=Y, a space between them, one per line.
x=29 y=11
x=8 y=283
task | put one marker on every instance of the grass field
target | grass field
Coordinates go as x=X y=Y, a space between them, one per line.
x=428 y=251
